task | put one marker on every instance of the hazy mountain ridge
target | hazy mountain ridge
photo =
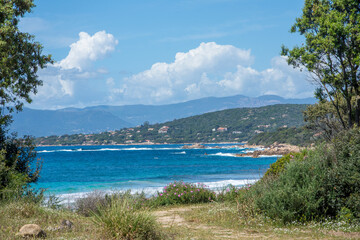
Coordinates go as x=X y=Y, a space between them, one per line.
x=103 y=118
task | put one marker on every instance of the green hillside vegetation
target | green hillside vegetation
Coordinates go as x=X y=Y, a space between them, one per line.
x=299 y=136
x=233 y=125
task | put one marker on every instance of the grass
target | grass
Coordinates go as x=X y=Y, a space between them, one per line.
x=16 y=214
x=122 y=221
x=226 y=216
x=132 y=219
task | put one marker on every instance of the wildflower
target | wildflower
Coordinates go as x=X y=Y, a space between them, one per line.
x=227 y=190
x=182 y=194
x=161 y=194
x=174 y=185
x=175 y=193
x=179 y=195
x=191 y=191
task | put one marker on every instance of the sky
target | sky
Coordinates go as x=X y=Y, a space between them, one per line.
x=122 y=52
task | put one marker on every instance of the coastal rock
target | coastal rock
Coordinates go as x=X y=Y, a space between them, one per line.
x=196 y=145
x=273 y=149
x=31 y=230
x=251 y=146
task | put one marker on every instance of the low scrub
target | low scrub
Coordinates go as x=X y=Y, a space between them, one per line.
x=230 y=193
x=91 y=203
x=314 y=185
x=96 y=200
x=277 y=167
x=122 y=221
x=184 y=193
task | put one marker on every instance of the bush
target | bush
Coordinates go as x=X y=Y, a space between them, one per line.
x=293 y=194
x=277 y=167
x=18 y=167
x=323 y=183
x=183 y=193
x=122 y=221
x=229 y=193
x=93 y=201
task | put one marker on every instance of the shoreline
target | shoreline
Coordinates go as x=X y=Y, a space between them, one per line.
x=217 y=186
x=136 y=144
x=275 y=149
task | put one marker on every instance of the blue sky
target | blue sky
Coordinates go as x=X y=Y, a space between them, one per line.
x=159 y=52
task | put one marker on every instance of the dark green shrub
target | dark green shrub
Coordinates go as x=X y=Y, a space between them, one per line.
x=277 y=167
x=345 y=215
x=183 y=193
x=353 y=203
x=317 y=186
x=18 y=168
x=293 y=194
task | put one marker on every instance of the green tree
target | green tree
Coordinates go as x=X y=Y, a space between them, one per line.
x=331 y=53
x=20 y=58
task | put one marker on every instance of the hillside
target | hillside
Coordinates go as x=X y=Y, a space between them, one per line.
x=299 y=136
x=233 y=125
x=104 y=118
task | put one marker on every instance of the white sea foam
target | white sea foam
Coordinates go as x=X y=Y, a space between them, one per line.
x=183 y=152
x=224 y=183
x=70 y=198
x=45 y=151
x=223 y=154
x=249 y=151
x=106 y=149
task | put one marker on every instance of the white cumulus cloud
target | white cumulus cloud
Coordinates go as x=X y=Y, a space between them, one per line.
x=64 y=82
x=210 y=69
x=213 y=70
x=188 y=76
x=88 y=49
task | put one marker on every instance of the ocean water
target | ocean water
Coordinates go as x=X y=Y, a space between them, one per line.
x=71 y=172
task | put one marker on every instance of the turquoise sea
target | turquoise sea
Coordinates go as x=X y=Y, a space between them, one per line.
x=70 y=172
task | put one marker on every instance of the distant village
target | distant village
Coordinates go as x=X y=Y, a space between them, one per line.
x=207 y=128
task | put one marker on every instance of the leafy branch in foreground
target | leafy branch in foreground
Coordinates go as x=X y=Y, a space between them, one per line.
x=331 y=54
x=20 y=58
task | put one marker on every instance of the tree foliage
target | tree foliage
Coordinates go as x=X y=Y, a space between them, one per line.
x=331 y=53
x=20 y=58
x=18 y=166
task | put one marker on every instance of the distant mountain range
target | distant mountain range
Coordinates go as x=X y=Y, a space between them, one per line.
x=104 y=118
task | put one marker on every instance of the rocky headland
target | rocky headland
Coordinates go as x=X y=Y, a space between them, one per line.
x=273 y=149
